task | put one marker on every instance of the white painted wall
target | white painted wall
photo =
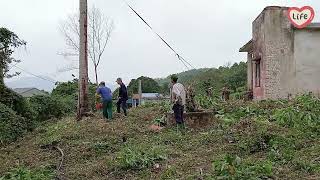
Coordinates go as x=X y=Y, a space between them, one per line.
x=307 y=61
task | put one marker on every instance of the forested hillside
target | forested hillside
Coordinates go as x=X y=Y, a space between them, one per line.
x=234 y=77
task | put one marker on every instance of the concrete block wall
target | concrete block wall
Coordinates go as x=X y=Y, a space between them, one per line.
x=279 y=38
x=258 y=52
x=274 y=41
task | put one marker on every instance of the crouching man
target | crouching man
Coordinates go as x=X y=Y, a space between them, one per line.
x=178 y=98
x=106 y=96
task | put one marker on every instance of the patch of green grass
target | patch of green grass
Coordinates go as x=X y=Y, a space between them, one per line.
x=138 y=157
x=23 y=173
x=55 y=132
x=169 y=173
x=233 y=167
x=306 y=166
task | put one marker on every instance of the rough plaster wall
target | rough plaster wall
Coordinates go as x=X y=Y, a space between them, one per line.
x=278 y=55
x=249 y=71
x=307 y=59
x=258 y=51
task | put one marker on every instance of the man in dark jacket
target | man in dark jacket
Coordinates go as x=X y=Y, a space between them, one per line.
x=123 y=97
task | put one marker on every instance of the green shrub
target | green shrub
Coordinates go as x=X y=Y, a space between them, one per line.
x=19 y=114
x=12 y=125
x=68 y=93
x=17 y=103
x=207 y=102
x=139 y=158
x=48 y=107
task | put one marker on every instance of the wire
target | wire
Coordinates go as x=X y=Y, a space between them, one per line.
x=181 y=58
x=34 y=74
x=184 y=62
x=12 y=66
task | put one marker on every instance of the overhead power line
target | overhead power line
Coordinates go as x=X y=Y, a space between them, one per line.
x=37 y=76
x=184 y=62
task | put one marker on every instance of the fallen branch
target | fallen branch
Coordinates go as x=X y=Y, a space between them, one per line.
x=54 y=145
x=61 y=159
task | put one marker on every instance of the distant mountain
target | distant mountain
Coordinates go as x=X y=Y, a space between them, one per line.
x=32 y=82
x=41 y=84
x=233 y=76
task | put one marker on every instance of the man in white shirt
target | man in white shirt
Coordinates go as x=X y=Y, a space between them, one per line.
x=178 y=98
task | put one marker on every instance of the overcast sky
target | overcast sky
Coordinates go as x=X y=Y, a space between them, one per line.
x=208 y=33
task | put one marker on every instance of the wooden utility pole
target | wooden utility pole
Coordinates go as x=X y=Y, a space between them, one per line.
x=1 y=61
x=140 y=92
x=83 y=100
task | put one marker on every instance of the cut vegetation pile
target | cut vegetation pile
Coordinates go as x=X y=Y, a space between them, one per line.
x=265 y=140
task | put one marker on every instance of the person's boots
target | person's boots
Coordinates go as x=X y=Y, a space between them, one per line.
x=181 y=127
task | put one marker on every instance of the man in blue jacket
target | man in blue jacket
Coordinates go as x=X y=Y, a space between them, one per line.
x=123 y=97
x=106 y=96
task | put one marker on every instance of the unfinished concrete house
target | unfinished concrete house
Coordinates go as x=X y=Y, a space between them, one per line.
x=282 y=61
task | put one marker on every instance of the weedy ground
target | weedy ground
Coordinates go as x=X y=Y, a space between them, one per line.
x=238 y=144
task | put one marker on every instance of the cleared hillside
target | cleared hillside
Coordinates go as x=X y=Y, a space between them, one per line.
x=246 y=141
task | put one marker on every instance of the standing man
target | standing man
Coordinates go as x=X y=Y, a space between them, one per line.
x=178 y=98
x=106 y=96
x=225 y=95
x=123 y=97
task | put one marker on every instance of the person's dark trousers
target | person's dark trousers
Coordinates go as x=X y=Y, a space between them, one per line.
x=123 y=104
x=178 y=113
x=107 y=109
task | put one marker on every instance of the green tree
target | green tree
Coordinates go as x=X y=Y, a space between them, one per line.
x=69 y=92
x=9 y=41
x=234 y=77
x=165 y=89
x=69 y=88
x=237 y=76
x=149 y=85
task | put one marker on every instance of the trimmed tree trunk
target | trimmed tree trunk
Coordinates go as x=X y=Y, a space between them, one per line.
x=83 y=100
x=1 y=70
x=1 y=75
x=96 y=73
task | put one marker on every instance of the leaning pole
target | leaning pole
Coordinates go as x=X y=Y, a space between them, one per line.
x=83 y=100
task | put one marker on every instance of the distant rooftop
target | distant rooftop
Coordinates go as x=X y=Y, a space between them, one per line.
x=313 y=25
x=148 y=96
x=247 y=47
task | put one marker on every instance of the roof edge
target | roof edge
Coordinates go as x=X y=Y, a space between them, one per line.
x=247 y=47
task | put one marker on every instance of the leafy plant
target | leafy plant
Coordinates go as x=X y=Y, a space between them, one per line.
x=12 y=125
x=9 y=41
x=101 y=147
x=17 y=103
x=139 y=158
x=48 y=107
x=303 y=114
x=160 y=121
